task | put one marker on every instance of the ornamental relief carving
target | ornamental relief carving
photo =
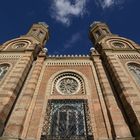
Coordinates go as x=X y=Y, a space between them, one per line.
x=128 y=56
x=7 y=56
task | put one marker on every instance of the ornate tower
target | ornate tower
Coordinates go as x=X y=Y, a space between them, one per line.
x=119 y=62
x=17 y=58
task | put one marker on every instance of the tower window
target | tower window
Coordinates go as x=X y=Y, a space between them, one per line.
x=105 y=31
x=40 y=34
x=135 y=71
x=3 y=69
x=34 y=31
x=66 y=119
x=98 y=34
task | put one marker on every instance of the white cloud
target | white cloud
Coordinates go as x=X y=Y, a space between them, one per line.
x=64 y=10
x=108 y=3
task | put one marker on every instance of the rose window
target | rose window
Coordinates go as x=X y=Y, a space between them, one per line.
x=68 y=84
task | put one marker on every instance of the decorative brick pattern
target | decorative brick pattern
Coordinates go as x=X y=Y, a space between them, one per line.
x=44 y=94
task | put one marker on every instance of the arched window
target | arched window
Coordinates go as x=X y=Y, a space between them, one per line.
x=135 y=70
x=98 y=34
x=3 y=69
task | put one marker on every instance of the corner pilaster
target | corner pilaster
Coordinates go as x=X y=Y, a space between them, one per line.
x=127 y=94
x=119 y=128
x=16 y=123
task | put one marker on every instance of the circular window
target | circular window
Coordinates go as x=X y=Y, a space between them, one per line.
x=18 y=45
x=68 y=85
x=118 y=45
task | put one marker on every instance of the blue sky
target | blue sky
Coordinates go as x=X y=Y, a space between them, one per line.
x=69 y=21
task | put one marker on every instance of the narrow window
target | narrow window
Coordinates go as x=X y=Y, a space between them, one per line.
x=3 y=69
x=40 y=34
x=98 y=34
x=105 y=31
x=34 y=31
x=135 y=71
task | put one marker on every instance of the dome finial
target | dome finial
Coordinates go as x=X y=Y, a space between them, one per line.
x=94 y=23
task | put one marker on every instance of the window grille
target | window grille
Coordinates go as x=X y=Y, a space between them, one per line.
x=67 y=120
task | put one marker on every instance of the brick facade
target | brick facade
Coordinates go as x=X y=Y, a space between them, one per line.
x=104 y=81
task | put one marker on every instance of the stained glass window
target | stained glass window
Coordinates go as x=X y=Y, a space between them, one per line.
x=135 y=71
x=3 y=69
x=68 y=85
x=65 y=120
